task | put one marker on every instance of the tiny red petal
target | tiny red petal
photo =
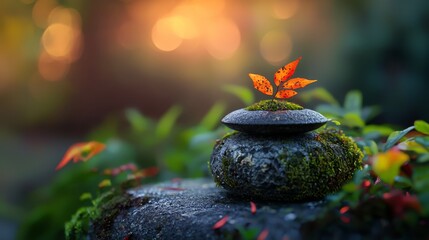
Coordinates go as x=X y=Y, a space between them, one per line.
x=344 y=209
x=263 y=234
x=221 y=222
x=252 y=207
x=366 y=184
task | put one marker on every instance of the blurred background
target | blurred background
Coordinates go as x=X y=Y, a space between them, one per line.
x=70 y=69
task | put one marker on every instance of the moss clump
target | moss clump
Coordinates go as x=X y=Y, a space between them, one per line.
x=273 y=105
x=100 y=215
x=299 y=168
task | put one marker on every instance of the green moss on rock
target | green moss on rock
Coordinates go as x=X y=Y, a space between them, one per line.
x=303 y=167
x=100 y=215
x=273 y=105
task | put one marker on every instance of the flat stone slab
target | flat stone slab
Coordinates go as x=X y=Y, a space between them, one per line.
x=274 y=122
x=188 y=209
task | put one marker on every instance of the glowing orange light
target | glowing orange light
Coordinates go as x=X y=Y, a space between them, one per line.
x=284 y=9
x=275 y=47
x=67 y=16
x=163 y=35
x=52 y=69
x=209 y=8
x=222 y=38
x=41 y=11
x=58 y=40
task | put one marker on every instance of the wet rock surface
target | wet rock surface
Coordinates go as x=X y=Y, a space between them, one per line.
x=274 y=122
x=188 y=209
x=295 y=168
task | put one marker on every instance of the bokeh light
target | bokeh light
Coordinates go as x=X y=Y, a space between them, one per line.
x=52 y=69
x=222 y=38
x=276 y=46
x=284 y=9
x=164 y=36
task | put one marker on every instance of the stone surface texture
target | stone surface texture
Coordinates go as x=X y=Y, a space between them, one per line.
x=188 y=209
x=289 y=168
x=274 y=122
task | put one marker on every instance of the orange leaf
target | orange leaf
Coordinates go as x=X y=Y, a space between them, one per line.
x=252 y=207
x=262 y=84
x=221 y=222
x=81 y=152
x=297 y=83
x=286 y=93
x=286 y=72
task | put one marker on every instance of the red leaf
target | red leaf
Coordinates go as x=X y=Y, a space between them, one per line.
x=344 y=209
x=220 y=223
x=286 y=93
x=263 y=234
x=252 y=207
x=262 y=84
x=81 y=152
x=295 y=83
x=115 y=171
x=286 y=72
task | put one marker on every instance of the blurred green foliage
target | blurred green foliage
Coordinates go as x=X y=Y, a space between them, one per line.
x=183 y=152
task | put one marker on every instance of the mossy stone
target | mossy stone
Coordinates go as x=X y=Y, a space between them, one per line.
x=287 y=168
x=274 y=122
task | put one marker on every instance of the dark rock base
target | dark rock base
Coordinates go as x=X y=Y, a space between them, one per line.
x=290 y=168
x=188 y=210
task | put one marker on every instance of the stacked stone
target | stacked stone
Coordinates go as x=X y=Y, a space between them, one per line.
x=278 y=155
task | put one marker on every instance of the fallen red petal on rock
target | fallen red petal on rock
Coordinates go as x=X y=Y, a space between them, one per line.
x=263 y=234
x=252 y=207
x=221 y=222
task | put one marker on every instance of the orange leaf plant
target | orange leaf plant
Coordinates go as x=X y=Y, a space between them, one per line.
x=284 y=85
x=81 y=152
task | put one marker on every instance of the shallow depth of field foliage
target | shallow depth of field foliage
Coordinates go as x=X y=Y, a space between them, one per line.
x=391 y=188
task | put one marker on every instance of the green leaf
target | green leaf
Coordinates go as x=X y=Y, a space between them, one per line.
x=421 y=178
x=371 y=147
x=243 y=93
x=370 y=112
x=85 y=196
x=424 y=141
x=352 y=119
x=422 y=126
x=423 y=158
x=377 y=130
x=353 y=102
x=105 y=183
x=424 y=201
x=330 y=110
x=318 y=94
x=213 y=116
x=395 y=136
x=138 y=122
x=166 y=123
x=402 y=182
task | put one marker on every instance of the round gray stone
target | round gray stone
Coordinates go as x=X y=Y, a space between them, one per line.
x=274 y=122
x=288 y=168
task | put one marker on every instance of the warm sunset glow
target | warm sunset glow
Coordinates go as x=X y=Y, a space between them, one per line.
x=209 y=8
x=222 y=38
x=275 y=47
x=58 y=40
x=52 y=69
x=66 y=16
x=284 y=9
x=163 y=35
x=41 y=11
